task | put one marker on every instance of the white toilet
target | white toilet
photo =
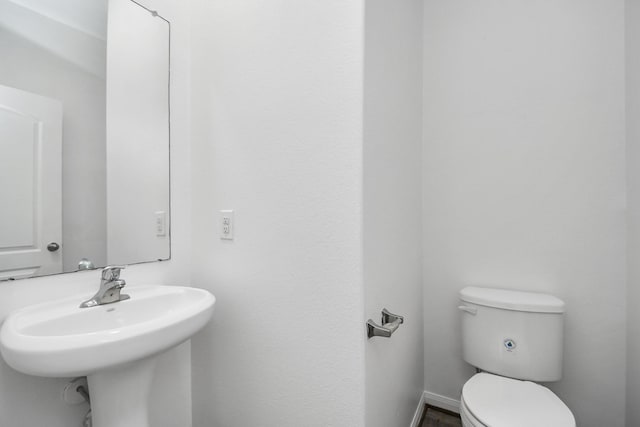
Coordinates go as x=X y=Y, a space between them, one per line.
x=513 y=338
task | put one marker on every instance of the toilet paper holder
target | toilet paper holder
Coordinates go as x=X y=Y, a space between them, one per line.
x=390 y=322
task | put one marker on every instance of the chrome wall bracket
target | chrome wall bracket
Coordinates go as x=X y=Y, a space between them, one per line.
x=390 y=322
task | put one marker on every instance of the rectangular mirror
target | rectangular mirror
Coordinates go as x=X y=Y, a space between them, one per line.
x=84 y=136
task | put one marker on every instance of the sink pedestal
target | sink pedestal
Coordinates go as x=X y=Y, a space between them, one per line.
x=120 y=395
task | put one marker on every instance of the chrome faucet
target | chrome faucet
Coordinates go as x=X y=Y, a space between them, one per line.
x=110 y=286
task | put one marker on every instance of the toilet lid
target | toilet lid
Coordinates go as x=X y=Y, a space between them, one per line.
x=498 y=401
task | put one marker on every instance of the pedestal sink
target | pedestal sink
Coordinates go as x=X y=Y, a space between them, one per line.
x=113 y=345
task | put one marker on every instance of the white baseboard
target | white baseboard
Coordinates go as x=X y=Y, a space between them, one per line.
x=440 y=401
x=417 y=417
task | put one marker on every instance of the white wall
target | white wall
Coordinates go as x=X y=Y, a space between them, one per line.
x=277 y=136
x=33 y=401
x=392 y=207
x=36 y=70
x=524 y=183
x=632 y=14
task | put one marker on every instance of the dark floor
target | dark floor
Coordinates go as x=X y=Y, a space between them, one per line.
x=436 y=417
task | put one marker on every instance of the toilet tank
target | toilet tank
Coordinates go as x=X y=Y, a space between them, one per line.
x=512 y=333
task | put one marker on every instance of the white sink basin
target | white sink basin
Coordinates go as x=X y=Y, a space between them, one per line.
x=113 y=345
x=59 y=339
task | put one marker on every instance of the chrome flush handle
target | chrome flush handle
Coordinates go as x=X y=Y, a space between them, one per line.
x=469 y=310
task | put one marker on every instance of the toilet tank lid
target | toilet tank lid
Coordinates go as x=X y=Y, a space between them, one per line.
x=512 y=300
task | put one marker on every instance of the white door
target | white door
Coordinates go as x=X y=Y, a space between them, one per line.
x=30 y=184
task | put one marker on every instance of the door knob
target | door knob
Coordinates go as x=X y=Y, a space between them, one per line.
x=53 y=246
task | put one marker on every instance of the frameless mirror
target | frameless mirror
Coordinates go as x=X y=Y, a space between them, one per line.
x=84 y=135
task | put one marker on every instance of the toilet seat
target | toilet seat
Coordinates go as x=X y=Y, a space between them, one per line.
x=495 y=401
x=468 y=420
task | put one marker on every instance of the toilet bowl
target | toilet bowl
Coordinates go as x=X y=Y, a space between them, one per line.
x=514 y=338
x=493 y=401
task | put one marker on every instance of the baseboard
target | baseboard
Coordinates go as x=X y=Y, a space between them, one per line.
x=417 y=417
x=440 y=401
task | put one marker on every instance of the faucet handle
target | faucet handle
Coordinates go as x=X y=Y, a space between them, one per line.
x=112 y=272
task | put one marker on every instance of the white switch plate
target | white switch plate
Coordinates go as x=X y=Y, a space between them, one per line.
x=161 y=223
x=226 y=224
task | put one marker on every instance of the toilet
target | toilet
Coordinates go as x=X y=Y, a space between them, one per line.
x=515 y=340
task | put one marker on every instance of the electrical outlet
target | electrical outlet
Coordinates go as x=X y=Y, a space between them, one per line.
x=161 y=223
x=226 y=224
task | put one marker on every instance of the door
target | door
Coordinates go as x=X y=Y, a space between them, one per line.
x=30 y=184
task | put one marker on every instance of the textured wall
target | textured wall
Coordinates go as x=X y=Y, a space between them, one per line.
x=632 y=13
x=524 y=183
x=277 y=136
x=392 y=207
